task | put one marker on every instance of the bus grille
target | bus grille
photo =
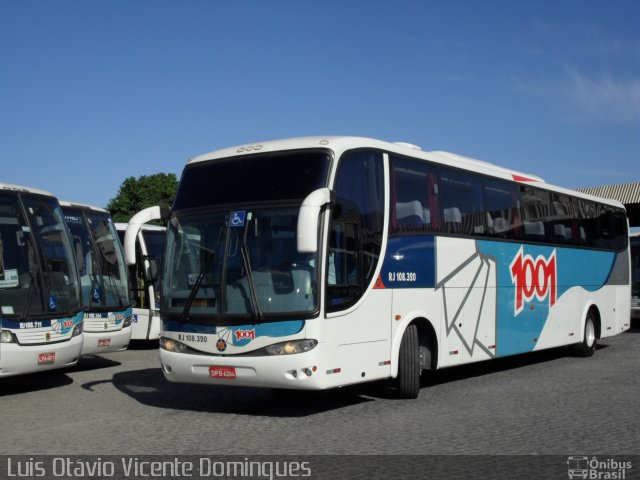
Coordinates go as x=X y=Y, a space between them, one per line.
x=105 y=324
x=40 y=337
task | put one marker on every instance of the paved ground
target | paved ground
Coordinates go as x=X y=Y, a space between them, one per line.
x=543 y=403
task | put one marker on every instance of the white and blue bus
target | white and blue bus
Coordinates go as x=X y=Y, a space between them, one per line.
x=41 y=315
x=103 y=278
x=143 y=280
x=315 y=263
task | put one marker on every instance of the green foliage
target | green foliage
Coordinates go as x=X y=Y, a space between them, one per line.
x=145 y=191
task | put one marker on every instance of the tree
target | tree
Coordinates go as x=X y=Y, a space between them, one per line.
x=145 y=191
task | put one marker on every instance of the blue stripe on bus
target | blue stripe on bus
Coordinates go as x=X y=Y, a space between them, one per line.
x=574 y=268
x=409 y=262
x=270 y=329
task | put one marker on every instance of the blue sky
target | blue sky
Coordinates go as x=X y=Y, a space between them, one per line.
x=92 y=92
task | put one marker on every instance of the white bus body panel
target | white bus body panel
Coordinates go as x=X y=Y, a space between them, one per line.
x=145 y=324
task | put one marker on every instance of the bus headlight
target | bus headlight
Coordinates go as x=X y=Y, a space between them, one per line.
x=7 y=337
x=127 y=321
x=291 y=347
x=171 y=345
x=77 y=330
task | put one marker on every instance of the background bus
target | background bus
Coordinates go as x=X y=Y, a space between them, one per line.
x=321 y=262
x=635 y=276
x=103 y=277
x=142 y=280
x=40 y=304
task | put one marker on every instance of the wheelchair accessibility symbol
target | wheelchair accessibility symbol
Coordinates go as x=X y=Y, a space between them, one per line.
x=53 y=303
x=237 y=218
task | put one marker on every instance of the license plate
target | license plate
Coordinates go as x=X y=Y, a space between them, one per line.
x=46 y=358
x=222 y=372
x=104 y=342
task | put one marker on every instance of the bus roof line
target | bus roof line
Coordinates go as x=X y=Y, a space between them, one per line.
x=20 y=188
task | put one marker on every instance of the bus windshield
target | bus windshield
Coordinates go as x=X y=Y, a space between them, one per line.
x=38 y=274
x=100 y=259
x=231 y=263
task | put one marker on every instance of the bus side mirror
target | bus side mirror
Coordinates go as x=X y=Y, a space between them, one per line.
x=135 y=224
x=307 y=231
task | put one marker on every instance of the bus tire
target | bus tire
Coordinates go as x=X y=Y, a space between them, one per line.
x=587 y=346
x=408 y=380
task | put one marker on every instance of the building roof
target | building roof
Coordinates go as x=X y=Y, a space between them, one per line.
x=626 y=193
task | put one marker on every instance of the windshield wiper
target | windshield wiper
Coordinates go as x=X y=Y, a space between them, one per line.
x=253 y=296
x=210 y=259
x=33 y=277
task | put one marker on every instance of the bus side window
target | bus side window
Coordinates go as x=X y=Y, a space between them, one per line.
x=414 y=197
x=462 y=203
x=563 y=223
x=535 y=213
x=501 y=203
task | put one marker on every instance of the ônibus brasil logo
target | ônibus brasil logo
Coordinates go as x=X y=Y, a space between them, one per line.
x=534 y=278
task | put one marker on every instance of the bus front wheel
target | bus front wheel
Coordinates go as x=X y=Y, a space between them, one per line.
x=408 y=380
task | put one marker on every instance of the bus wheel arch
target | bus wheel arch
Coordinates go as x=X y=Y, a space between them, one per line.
x=428 y=344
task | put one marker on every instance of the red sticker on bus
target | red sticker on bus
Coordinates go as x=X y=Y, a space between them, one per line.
x=222 y=372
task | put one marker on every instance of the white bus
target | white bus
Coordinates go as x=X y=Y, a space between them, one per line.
x=143 y=280
x=103 y=278
x=41 y=315
x=635 y=276
x=314 y=263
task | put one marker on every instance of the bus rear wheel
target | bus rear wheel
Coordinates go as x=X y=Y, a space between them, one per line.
x=408 y=380
x=587 y=347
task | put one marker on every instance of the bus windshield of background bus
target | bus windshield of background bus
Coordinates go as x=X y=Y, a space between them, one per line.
x=28 y=287
x=103 y=274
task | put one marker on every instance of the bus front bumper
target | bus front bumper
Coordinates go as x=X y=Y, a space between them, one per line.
x=20 y=359
x=300 y=371
x=103 y=342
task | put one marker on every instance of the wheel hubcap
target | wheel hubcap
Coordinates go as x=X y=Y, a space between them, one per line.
x=590 y=333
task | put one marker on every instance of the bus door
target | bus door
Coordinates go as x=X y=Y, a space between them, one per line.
x=358 y=317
